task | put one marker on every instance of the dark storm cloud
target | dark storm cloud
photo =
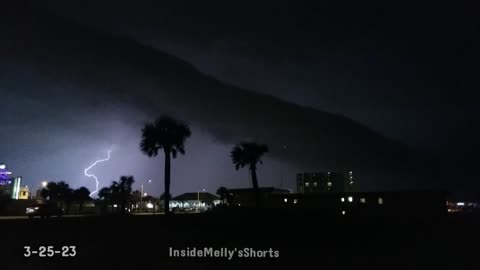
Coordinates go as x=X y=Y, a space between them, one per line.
x=81 y=76
x=406 y=71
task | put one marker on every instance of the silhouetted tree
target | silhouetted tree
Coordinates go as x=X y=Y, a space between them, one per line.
x=4 y=199
x=249 y=154
x=59 y=193
x=222 y=192
x=135 y=198
x=81 y=195
x=125 y=191
x=105 y=195
x=50 y=192
x=170 y=135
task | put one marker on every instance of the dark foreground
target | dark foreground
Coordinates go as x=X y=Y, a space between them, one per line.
x=143 y=242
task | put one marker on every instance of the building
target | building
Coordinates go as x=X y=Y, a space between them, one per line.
x=24 y=193
x=245 y=197
x=12 y=185
x=4 y=175
x=399 y=203
x=315 y=182
x=194 y=201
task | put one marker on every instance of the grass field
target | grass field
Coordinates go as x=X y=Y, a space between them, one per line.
x=301 y=240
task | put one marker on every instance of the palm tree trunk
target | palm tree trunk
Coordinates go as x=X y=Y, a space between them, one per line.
x=253 y=171
x=167 y=182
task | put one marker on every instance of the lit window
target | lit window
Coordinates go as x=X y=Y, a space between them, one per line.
x=380 y=200
x=343 y=213
x=362 y=200
x=329 y=184
x=342 y=199
x=460 y=204
x=295 y=201
x=285 y=200
x=351 y=172
x=306 y=184
x=314 y=184
x=350 y=199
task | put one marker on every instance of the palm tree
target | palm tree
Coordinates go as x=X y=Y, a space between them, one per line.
x=170 y=135
x=249 y=154
x=81 y=195
x=222 y=192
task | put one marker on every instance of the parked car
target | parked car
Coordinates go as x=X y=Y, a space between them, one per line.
x=44 y=211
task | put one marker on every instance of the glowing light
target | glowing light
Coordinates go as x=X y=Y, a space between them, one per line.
x=295 y=201
x=460 y=204
x=115 y=206
x=145 y=194
x=285 y=200
x=149 y=205
x=2 y=166
x=343 y=213
x=342 y=199
x=380 y=200
x=44 y=184
x=92 y=175
x=362 y=200
x=350 y=199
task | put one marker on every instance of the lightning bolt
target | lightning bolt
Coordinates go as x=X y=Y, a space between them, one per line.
x=92 y=175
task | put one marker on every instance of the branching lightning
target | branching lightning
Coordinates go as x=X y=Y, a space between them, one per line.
x=92 y=175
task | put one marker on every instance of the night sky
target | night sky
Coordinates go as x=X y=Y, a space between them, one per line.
x=387 y=91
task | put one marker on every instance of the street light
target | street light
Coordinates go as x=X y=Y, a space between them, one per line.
x=143 y=194
x=44 y=184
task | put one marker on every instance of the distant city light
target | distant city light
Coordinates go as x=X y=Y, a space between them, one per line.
x=150 y=180
x=2 y=166
x=343 y=213
x=342 y=199
x=144 y=194
x=460 y=204
x=44 y=184
x=115 y=206
x=149 y=205
x=350 y=199
x=380 y=200
x=362 y=200
x=295 y=201
x=329 y=184
x=285 y=200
